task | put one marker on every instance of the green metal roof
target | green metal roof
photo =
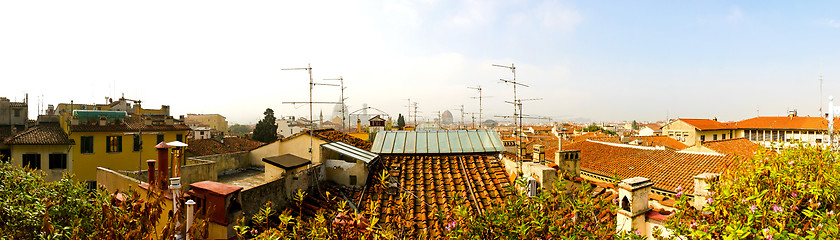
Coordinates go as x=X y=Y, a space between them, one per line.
x=85 y=114
x=444 y=141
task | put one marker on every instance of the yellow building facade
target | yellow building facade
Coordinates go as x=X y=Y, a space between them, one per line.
x=115 y=141
x=214 y=121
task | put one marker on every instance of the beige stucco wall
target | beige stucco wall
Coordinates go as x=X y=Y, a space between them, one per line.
x=17 y=152
x=339 y=171
x=709 y=135
x=545 y=175
x=269 y=150
x=681 y=131
x=113 y=181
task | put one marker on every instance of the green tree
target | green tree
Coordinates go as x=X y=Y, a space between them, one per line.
x=400 y=122
x=635 y=125
x=239 y=130
x=266 y=129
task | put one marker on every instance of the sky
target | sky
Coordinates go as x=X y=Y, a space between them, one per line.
x=585 y=60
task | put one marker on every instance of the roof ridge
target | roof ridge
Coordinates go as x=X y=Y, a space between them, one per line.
x=626 y=145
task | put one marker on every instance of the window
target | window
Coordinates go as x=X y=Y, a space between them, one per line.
x=113 y=144
x=714 y=137
x=17 y=112
x=702 y=138
x=179 y=137
x=138 y=143
x=32 y=161
x=723 y=136
x=58 y=161
x=87 y=144
x=91 y=185
x=353 y=179
x=159 y=139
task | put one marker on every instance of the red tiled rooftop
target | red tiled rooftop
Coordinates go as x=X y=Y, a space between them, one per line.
x=658 y=141
x=667 y=169
x=706 y=124
x=803 y=123
x=42 y=134
x=437 y=183
x=739 y=147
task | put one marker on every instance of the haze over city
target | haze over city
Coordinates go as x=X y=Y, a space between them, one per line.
x=587 y=60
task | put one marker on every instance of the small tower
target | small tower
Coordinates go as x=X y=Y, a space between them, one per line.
x=376 y=124
x=633 y=204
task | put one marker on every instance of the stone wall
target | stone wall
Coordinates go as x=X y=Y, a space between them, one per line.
x=197 y=170
x=544 y=174
x=279 y=191
x=228 y=162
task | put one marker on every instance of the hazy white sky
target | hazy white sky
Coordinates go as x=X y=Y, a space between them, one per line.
x=616 y=60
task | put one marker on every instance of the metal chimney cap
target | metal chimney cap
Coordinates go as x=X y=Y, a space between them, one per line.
x=162 y=145
x=176 y=144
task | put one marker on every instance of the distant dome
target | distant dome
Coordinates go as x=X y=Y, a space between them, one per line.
x=446 y=118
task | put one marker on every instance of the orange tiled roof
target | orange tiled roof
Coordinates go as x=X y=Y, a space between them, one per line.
x=653 y=126
x=474 y=180
x=706 y=124
x=667 y=169
x=42 y=134
x=595 y=136
x=739 y=147
x=803 y=123
x=331 y=135
x=204 y=147
x=656 y=141
x=338 y=136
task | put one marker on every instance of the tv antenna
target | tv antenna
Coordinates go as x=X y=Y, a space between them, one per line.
x=480 y=109
x=312 y=85
x=515 y=108
x=343 y=107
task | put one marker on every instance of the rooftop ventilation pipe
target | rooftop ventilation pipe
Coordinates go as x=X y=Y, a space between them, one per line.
x=151 y=169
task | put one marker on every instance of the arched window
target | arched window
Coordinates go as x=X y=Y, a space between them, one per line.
x=625 y=204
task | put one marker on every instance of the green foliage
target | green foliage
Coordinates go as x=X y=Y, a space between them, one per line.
x=266 y=129
x=32 y=208
x=595 y=128
x=792 y=194
x=239 y=130
x=400 y=122
x=565 y=210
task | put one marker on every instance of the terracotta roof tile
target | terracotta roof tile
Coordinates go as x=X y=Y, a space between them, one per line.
x=739 y=147
x=706 y=124
x=667 y=169
x=42 y=134
x=657 y=141
x=437 y=183
x=331 y=135
x=803 y=123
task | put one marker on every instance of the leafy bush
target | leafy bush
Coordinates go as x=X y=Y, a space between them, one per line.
x=32 y=208
x=790 y=195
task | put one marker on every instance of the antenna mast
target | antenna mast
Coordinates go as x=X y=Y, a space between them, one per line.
x=343 y=107
x=312 y=84
x=480 y=109
x=515 y=112
x=407 y=118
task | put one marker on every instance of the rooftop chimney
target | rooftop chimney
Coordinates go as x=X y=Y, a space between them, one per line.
x=151 y=172
x=163 y=166
x=103 y=121
x=169 y=120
